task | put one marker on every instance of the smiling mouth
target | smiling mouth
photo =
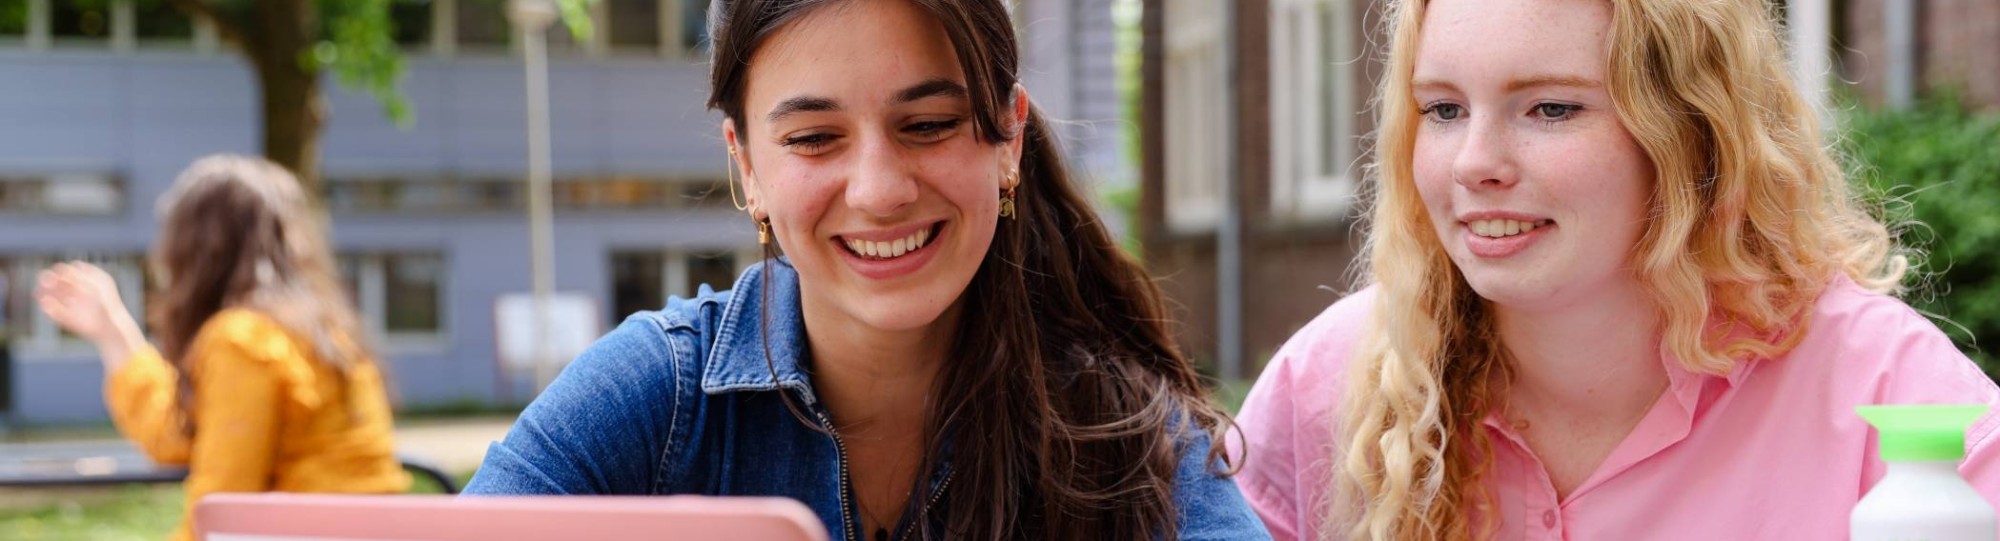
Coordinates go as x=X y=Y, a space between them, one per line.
x=887 y=250
x=1504 y=228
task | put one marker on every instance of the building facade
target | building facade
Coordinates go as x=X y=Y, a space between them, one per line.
x=105 y=104
x=1263 y=110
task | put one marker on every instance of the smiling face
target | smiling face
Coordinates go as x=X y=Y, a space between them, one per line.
x=858 y=144
x=1535 y=188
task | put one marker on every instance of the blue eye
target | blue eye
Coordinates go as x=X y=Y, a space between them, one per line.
x=1555 y=112
x=1442 y=112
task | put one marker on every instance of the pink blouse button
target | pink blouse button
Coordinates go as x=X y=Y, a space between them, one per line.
x=1548 y=519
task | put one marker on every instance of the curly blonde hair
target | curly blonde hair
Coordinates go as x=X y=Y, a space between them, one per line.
x=1750 y=217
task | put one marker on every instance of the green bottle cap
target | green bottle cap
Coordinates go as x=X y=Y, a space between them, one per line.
x=1920 y=433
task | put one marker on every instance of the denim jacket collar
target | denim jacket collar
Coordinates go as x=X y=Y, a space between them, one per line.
x=763 y=310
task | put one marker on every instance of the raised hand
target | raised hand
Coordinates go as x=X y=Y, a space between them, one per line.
x=83 y=299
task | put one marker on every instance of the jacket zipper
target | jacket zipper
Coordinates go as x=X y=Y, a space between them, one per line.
x=926 y=510
x=840 y=450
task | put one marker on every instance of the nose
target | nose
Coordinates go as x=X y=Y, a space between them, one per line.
x=882 y=182
x=1485 y=156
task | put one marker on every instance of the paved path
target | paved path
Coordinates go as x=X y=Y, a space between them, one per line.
x=454 y=445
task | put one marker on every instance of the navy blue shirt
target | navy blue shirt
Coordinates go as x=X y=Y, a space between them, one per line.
x=682 y=401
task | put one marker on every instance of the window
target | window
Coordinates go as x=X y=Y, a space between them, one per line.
x=1316 y=108
x=694 y=27
x=13 y=20
x=668 y=28
x=638 y=283
x=615 y=193
x=400 y=296
x=74 y=193
x=642 y=280
x=492 y=194
x=706 y=194
x=119 y=25
x=633 y=23
x=1196 y=104
x=433 y=194
x=410 y=287
x=717 y=269
x=482 y=23
x=412 y=21
x=157 y=23
x=80 y=22
x=27 y=329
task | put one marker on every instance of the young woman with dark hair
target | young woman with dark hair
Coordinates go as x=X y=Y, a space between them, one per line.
x=951 y=347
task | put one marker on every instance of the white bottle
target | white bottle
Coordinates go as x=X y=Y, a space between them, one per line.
x=1922 y=497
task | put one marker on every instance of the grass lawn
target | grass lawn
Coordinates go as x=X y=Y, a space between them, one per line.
x=1229 y=394
x=133 y=512
x=127 y=513
x=150 y=512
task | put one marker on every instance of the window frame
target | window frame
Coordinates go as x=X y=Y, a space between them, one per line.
x=1196 y=165
x=370 y=297
x=42 y=340
x=1303 y=189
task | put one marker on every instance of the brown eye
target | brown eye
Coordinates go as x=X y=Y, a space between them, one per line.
x=809 y=144
x=932 y=130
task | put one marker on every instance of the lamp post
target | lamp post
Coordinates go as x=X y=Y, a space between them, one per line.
x=532 y=19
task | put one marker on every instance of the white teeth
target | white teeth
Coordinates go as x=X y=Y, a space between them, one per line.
x=1501 y=228
x=890 y=249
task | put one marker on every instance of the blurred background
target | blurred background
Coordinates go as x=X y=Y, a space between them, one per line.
x=1225 y=140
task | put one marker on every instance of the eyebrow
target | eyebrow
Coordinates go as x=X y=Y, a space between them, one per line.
x=801 y=104
x=933 y=88
x=1552 y=80
x=1517 y=84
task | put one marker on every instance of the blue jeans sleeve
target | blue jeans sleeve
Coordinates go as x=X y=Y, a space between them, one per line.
x=1210 y=506
x=600 y=428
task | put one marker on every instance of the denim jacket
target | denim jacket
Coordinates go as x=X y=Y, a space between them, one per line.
x=681 y=401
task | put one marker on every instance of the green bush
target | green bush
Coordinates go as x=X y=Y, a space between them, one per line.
x=1936 y=169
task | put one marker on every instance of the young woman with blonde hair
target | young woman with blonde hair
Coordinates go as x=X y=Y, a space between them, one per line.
x=263 y=381
x=1618 y=289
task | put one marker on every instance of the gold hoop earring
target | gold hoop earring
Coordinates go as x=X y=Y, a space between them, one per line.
x=731 y=174
x=1007 y=197
x=764 y=232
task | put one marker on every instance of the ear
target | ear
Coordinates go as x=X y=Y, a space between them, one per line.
x=1017 y=124
x=740 y=158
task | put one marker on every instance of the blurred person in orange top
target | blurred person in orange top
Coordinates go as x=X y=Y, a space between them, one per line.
x=262 y=381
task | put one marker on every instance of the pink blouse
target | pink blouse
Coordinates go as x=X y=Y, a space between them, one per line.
x=1773 y=451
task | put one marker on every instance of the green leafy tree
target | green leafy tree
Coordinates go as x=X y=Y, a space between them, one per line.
x=1936 y=167
x=289 y=44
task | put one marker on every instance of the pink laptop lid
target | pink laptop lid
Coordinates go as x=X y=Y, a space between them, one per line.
x=276 y=516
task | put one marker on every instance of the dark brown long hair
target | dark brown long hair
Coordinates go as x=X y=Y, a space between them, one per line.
x=1071 y=422
x=238 y=232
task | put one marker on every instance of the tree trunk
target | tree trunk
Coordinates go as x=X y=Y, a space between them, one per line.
x=289 y=84
x=277 y=37
x=292 y=121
